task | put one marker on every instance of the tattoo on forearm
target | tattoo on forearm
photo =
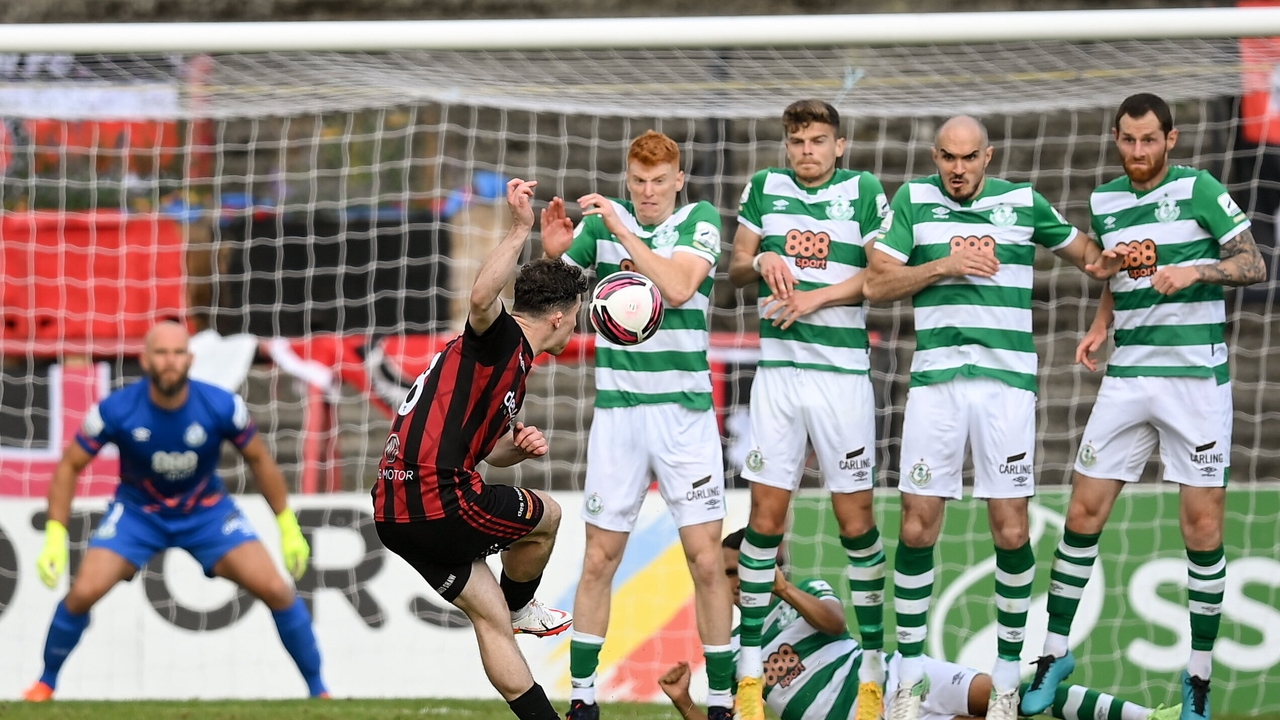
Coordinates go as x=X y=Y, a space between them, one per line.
x=1241 y=264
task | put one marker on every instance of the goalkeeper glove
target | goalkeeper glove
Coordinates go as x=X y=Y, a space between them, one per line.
x=52 y=560
x=293 y=544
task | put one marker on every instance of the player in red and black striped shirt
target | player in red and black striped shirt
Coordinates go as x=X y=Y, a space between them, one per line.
x=430 y=505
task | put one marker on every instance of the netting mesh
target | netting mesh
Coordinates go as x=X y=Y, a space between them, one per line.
x=342 y=203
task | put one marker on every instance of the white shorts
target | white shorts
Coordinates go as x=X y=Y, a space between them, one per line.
x=996 y=420
x=793 y=409
x=1190 y=417
x=948 y=688
x=678 y=446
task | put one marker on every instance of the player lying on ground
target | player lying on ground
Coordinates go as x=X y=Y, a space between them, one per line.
x=653 y=414
x=169 y=431
x=811 y=666
x=1167 y=382
x=801 y=238
x=962 y=245
x=430 y=505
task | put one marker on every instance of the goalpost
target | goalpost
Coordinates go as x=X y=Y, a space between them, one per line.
x=327 y=189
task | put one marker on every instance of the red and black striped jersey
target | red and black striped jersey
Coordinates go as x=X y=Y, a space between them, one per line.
x=450 y=420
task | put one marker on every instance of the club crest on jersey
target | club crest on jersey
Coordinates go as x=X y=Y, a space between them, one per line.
x=1003 y=216
x=920 y=474
x=391 y=450
x=195 y=435
x=1167 y=210
x=755 y=460
x=141 y=434
x=595 y=505
x=839 y=209
x=1088 y=455
x=665 y=236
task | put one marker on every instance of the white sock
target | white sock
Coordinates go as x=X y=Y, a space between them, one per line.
x=750 y=663
x=583 y=689
x=1201 y=663
x=910 y=671
x=872 y=668
x=719 y=698
x=1005 y=675
x=1134 y=711
x=1055 y=645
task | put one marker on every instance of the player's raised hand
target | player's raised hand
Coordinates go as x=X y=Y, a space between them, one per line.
x=1169 y=280
x=52 y=560
x=675 y=682
x=970 y=261
x=1109 y=263
x=597 y=204
x=293 y=544
x=520 y=200
x=557 y=229
x=777 y=274
x=1089 y=345
x=530 y=440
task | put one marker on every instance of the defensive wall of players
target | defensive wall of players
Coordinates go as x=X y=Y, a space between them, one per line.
x=170 y=634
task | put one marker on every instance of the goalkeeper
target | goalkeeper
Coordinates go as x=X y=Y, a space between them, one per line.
x=169 y=431
x=812 y=664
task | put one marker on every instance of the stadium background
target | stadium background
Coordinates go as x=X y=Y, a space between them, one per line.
x=230 y=258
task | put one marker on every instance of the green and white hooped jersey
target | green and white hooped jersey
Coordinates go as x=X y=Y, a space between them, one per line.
x=821 y=233
x=1181 y=222
x=671 y=366
x=808 y=675
x=972 y=326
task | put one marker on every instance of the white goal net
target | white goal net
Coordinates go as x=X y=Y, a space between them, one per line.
x=325 y=212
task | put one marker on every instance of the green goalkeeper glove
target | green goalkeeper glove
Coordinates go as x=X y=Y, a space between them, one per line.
x=293 y=544
x=52 y=561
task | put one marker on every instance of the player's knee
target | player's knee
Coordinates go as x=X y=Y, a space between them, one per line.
x=79 y=601
x=1086 y=516
x=277 y=594
x=1011 y=535
x=916 y=531
x=598 y=562
x=551 y=514
x=706 y=567
x=1202 y=531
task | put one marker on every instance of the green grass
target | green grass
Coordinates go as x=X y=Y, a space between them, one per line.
x=423 y=709
x=332 y=710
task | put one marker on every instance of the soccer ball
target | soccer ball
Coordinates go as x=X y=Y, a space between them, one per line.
x=626 y=308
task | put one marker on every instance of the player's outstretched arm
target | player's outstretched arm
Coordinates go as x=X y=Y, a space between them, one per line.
x=675 y=685
x=270 y=482
x=1099 y=264
x=888 y=278
x=522 y=443
x=500 y=266
x=52 y=560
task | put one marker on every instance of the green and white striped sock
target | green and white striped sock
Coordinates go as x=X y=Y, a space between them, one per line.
x=1206 y=582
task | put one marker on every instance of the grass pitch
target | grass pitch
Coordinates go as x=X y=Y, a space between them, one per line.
x=421 y=709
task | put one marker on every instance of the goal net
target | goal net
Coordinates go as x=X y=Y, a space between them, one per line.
x=324 y=213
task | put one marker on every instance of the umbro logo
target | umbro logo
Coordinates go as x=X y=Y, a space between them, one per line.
x=941 y=212
x=1109 y=222
x=780 y=204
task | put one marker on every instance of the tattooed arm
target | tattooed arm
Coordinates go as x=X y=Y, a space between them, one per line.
x=1241 y=265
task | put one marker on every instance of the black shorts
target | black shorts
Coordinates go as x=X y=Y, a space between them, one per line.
x=443 y=550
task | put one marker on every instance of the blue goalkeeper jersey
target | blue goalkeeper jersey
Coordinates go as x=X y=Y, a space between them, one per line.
x=168 y=458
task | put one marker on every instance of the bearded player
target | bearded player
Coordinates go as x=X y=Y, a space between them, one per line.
x=169 y=431
x=430 y=504
x=801 y=236
x=1167 y=382
x=653 y=413
x=962 y=246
